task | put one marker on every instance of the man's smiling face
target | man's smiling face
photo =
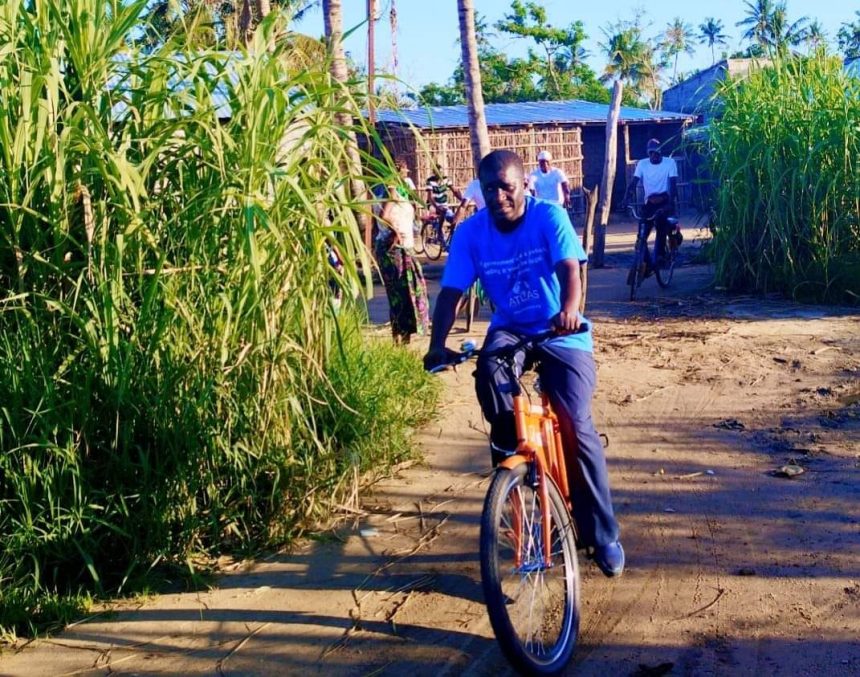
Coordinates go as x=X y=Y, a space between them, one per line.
x=504 y=189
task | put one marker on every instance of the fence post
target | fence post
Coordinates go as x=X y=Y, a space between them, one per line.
x=608 y=173
x=587 y=235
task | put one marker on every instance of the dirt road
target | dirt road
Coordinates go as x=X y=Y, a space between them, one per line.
x=732 y=569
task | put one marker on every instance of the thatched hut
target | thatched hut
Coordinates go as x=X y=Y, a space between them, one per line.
x=573 y=131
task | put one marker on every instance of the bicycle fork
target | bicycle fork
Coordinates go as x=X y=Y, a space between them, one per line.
x=542 y=467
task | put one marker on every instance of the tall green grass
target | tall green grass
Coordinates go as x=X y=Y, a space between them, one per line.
x=786 y=156
x=175 y=376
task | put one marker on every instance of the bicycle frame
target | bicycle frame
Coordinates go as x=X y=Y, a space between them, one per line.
x=540 y=445
x=651 y=221
x=434 y=225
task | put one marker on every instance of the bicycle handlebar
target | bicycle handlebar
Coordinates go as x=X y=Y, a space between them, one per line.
x=528 y=342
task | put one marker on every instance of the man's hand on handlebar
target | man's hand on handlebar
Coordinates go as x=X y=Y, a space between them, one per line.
x=440 y=357
x=566 y=323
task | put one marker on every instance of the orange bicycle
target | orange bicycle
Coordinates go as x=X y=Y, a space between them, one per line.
x=528 y=553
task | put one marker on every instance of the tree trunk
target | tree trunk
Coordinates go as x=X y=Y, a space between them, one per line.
x=478 y=134
x=392 y=18
x=608 y=173
x=371 y=60
x=264 y=8
x=333 y=20
x=244 y=22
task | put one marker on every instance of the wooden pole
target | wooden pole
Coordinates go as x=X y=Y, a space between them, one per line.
x=608 y=173
x=587 y=235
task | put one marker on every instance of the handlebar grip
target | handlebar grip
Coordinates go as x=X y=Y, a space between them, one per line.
x=452 y=363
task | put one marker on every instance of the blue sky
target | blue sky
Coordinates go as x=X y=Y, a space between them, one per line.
x=428 y=30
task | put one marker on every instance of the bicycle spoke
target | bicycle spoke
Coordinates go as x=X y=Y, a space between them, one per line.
x=533 y=601
x=535 y=589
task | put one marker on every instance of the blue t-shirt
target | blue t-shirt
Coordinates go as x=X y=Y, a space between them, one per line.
x=517 y=269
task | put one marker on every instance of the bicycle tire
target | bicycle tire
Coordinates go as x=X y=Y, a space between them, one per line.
x=471 y=307
x=636 y=275
x=419 y=241
x=664 y=275
x=447 y=235
x=535 y=641
x=432 y=239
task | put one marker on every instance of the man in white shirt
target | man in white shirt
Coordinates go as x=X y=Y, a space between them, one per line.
x=659 y=177
x=472 y=197
x=473 y=194
x=548 y=182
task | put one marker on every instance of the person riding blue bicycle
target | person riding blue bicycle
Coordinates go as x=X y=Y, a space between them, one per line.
x=659 y=177
x=527 y=256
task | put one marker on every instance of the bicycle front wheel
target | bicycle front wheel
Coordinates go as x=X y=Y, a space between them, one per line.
x=432 y=238
x=533 y=603
x=637 y=269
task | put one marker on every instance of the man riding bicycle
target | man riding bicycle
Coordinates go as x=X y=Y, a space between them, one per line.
x=659 y=177
x=438 y=187
x=526 y=255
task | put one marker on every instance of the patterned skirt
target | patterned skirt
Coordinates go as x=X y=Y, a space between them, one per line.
x=405 y=288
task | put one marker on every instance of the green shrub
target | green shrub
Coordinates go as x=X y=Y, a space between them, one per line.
x=174 y=378
x=786 y=156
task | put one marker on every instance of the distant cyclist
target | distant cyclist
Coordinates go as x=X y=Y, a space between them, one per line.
x=438 y=199
x=659 y=177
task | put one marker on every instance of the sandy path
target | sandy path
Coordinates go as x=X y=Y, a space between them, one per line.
x=731 y=570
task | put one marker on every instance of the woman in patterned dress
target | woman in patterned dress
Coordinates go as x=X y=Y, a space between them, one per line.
x=401 y=271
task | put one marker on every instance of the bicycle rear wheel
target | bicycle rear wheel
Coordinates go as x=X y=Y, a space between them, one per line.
x=533 y=604
x=667 y=270
x=432 y=239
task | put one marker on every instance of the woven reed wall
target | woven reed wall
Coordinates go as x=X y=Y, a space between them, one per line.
x=451 y=149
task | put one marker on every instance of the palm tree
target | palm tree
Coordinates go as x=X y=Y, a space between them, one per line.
x=849 y=37
x=632 y=59
x=478 y=134
x=758 y=22
x=678 y=38
x=784 y=34
x=711 y=32
x=625 y=50
x=815 y=36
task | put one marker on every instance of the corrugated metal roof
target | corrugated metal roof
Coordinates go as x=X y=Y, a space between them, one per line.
x=533 y=112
